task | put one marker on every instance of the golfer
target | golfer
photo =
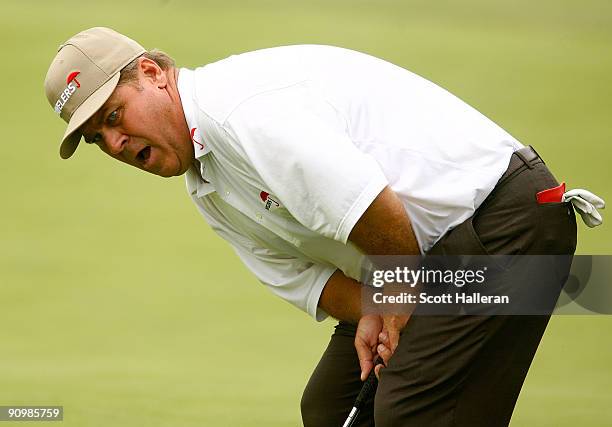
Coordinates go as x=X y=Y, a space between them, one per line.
x=308 y=158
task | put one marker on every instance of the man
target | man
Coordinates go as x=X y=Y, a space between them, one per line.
x=307 y=158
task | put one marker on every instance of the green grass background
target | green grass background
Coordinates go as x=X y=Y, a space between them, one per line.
x=118 y=302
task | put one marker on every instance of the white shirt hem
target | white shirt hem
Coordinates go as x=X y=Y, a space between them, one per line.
x=365 y=199
x=315 y=295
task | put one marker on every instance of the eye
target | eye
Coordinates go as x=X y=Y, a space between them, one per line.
x=113 y=117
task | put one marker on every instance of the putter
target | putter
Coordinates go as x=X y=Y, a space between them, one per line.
x=367 y=389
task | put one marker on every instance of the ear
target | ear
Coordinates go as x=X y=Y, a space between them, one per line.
x=152 y=72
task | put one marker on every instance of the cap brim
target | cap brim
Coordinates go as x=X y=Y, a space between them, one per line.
x=88 y=108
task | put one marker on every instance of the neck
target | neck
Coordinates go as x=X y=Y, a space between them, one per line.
x=173 y=74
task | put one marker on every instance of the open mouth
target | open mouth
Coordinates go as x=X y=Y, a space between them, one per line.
x=143 y=155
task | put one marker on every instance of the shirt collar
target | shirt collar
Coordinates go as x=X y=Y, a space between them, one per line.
x=186 y=88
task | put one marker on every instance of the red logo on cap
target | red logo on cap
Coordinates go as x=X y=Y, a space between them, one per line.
x=68 y=91
x=194 y=141
x=72 y=77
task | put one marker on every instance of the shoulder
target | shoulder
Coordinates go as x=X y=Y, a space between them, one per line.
x=221 y=86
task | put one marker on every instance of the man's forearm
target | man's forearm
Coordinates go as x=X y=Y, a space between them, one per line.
x=384 y=229
x=341 y=298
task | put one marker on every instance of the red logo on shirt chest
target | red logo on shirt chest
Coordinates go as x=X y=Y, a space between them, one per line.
x=193 y=130
x=271 y=204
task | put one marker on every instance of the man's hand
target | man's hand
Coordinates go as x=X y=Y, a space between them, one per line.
x=389 y=336
x=366 y=342
x=377 y=336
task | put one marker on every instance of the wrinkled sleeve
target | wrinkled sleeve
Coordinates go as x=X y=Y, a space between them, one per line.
x=296 y=280
x=299 y=145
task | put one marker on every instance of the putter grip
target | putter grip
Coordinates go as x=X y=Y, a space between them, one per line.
x=368 y=387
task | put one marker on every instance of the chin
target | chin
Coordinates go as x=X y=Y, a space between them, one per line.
x=172 y=170
x=166 y=173
x=183 y=163
x=183 y=169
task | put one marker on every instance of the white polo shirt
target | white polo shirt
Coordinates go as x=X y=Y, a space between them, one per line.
x=293 y=143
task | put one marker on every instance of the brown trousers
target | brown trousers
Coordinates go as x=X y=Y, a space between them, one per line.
x=456 y=370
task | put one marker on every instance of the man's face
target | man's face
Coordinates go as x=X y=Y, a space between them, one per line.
x=142 y=124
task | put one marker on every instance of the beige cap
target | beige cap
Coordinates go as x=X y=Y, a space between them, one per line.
x=83 y=75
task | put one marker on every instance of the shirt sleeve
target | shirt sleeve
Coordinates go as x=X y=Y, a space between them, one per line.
x=295 y=279
x=299 y=145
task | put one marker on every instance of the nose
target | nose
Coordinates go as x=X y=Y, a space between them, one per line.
x=115 y=141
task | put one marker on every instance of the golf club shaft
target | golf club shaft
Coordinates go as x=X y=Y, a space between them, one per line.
x=367 y=389
x=351 y=418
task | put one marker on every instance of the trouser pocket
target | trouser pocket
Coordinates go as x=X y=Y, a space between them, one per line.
x=556 y=230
